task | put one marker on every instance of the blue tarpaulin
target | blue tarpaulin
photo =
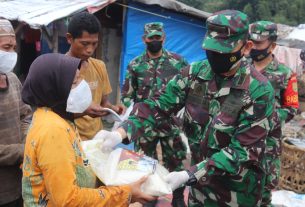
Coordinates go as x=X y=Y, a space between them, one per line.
x=184 y=34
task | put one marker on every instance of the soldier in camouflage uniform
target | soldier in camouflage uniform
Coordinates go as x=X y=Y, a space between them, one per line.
x=146 y=76
x=264 y=34
x=228 y=108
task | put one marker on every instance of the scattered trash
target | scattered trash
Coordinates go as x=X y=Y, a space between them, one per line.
x=284 y=198
x=296 y=142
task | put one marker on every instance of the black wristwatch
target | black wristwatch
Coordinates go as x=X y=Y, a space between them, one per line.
x=192 y=179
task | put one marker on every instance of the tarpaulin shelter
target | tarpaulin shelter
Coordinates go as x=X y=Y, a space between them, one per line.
x=122 y=27
x=289 y=44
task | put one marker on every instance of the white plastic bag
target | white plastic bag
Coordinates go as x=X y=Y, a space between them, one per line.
x=285 y=198
x=96 y=157
x=122 y=167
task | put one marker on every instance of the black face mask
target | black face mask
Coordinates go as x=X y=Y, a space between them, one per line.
x=259 y=55
x=154 y=46
x=222 y=63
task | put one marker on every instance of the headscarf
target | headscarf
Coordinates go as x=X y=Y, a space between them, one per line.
x=49 y=82
x=6 y=28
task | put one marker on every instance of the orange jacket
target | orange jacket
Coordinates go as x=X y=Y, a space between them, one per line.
x=55 y=172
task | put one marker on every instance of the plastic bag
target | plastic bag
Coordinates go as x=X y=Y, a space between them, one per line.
x=122 y=167
x=126 y=166
x=287 y=198
x=96 y=157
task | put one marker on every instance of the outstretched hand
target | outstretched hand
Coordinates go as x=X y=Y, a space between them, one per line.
x=137 y=195
x=177 y=179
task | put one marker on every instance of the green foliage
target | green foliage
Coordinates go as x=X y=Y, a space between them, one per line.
x=249 y=11
x=291 y=12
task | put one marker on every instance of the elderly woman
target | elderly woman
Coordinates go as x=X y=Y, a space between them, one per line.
x=55 y=172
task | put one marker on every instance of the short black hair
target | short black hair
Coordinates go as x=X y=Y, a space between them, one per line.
x=81 y=22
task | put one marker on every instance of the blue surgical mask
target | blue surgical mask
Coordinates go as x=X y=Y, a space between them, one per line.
x=8 y=61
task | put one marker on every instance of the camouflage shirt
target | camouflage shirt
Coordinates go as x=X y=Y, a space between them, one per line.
x=279 y=75
x=147 y=76
x=231 y=116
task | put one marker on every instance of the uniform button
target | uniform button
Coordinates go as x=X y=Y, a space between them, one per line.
x=203 y=179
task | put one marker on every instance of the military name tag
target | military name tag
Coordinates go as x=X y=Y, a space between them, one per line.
x=233 y=103
x=197 y=95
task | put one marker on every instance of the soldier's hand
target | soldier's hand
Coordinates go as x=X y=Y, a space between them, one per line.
x=110 y=139
x=177 y=179
x=137 y=195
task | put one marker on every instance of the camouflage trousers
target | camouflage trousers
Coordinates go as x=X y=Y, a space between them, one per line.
x=173 y=148
x=272 y=179
x=273 y=152
x=244 y=189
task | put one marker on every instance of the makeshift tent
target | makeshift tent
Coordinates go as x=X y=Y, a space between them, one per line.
x=122 y=28
x=184 y=34
x=38 y=13
x=290 y=42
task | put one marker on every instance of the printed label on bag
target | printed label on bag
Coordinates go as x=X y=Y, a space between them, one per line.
x=133 y=161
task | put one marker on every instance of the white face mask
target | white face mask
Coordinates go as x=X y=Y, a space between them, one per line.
x=8 y=61
x=79 y=98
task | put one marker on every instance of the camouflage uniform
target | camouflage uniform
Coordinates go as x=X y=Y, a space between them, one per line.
x=226 y=119
x=146 y=77
x=286 y=104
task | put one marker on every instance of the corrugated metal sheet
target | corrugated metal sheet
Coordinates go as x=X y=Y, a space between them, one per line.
x=39 y=13
x=177 y=6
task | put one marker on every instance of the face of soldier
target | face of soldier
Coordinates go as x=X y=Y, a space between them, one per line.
x=84 y=46
x=224 y=63
x=261 y=50
x=154 y=43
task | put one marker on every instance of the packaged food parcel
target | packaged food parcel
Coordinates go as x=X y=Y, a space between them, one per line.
x=121 y=167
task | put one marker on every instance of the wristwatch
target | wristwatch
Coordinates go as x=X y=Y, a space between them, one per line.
x=192 y=179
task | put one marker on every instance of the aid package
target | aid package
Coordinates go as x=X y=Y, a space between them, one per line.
x=121 y=167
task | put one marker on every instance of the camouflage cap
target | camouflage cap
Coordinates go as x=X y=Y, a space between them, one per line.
x=225 y=29
x=153 y=28
x=262 y=30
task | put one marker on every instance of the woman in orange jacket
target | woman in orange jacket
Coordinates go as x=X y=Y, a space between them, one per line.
x=55 y=170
